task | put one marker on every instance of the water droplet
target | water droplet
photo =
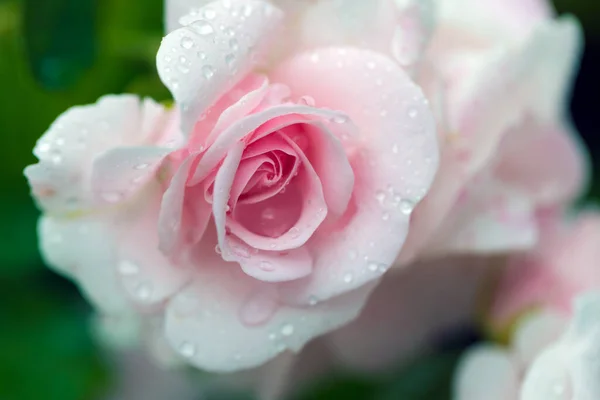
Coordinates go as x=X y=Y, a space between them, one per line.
x=168 y=58
x=373 y=267
x=208 y=71
x=201 y=55
x=258 y=309
x=395 y=148
x=407 y=206
x=412 y=113
x=187 y=349
x=218 y=249
x=209 y=13
x=380 y=196
x=312 y=300
x=44 y=147
x=385 y=216
x=233 y=44
x=371 y=65
x=229 y=31
x=229 y=60
x=187 y=42
x=348 y=277
x=294 y=233
x=340 y=119
x=112 y=197
x=142 y=166
x=314 y=57
x=287 y=330
x=247 y=10
x=280 y=348
x=272 y=336
x=143 y=291
x=266 y=266
x=203 y=27
x=128 y=268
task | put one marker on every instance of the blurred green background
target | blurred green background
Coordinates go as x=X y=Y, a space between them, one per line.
x=58 y=53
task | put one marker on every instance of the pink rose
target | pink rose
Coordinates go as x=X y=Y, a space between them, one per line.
x=287 y=200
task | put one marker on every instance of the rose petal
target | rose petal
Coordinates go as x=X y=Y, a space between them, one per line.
x=179 y=222
x=146 y=274
x=487 y=372
x=544 y=161
x=537 y=332
x=119 y=173
x=490 y=218
x=307 y=189
x=84 y=248
x=60 y=181
x=219 y=323
x=394 y=162
x=212 y=52
x=504 y=18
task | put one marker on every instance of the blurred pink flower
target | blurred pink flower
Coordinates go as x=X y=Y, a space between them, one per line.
x=550 y=358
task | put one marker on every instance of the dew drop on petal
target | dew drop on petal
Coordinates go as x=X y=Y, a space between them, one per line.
x=340 y=119
x=385 y=216
x=348 y=278
x=142 y=166
x=258 y=309
x=266 y=266
x=380 y=196
x=373 y=267
x=203 y=27
x=294 y=233
x=312 y=300
x=209 y=13
x=287 y=330
x=412 y=113
x=143 y=291
x=187 y=42
x=128 y=268
x=208 y=71
x=407 y=206
x=187 y=349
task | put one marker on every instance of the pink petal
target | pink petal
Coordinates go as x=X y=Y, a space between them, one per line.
x=307 y=190
x=242 y=128
x=394 y=161
x=85 y=249
x=146 y=274
x=213 y=322
x=490 y=218
x=119 y=173
x=61 y=180
x=212 y=52
x=544 y=161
